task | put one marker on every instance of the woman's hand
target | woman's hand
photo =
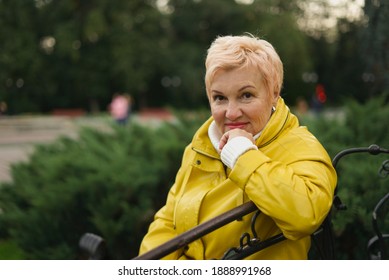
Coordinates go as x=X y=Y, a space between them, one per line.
x=234 y=133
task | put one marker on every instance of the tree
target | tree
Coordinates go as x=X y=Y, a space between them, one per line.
x=70 y=53
x=195 y=24
x=21 y=63
x=76 y=53
x=375 y=46
x=347 y=64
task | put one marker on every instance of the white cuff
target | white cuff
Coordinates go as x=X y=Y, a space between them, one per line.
x=234 y=148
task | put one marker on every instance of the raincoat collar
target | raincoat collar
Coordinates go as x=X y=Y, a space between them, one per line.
x=280 y=119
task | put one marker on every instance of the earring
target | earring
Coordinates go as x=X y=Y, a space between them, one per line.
x=273 y=109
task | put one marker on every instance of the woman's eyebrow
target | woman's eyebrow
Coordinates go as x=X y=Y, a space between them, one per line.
x=241 y=89
x=245 y=87
x=216 y=91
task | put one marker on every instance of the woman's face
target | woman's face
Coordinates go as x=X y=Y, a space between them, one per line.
x=239 y=99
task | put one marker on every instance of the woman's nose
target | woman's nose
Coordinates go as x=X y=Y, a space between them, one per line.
x=233 y=111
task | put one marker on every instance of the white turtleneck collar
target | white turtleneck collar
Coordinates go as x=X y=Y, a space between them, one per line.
x=234 y=147
x=215 y=135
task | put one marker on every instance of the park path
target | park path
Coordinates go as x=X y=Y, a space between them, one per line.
x=20 y=134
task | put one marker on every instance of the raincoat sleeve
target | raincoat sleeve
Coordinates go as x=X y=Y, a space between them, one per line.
x=162 y=229
x=296 y=190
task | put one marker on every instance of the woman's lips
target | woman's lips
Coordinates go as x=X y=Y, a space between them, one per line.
x=236 y=125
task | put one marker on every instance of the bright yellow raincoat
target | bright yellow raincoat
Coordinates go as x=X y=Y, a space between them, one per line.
x=290 y=178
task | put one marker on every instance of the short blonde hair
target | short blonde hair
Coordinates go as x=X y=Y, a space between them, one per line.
x=231 y=52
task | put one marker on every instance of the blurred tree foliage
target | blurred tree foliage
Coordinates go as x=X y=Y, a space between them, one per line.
x=71 y=54
x=75 y=53
x=375 y=46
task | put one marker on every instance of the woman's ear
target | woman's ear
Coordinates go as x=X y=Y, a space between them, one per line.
x=276 y=96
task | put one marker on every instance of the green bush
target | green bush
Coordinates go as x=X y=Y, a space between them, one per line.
x=10 y=251
x=110 y=184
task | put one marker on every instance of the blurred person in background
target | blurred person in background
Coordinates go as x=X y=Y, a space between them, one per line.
x=251 y=148
x=120 y=108
x=3 y=108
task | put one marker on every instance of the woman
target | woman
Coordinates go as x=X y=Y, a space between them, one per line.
x=252 y=148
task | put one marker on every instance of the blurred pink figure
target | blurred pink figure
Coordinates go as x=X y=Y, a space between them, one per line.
x=120 y=108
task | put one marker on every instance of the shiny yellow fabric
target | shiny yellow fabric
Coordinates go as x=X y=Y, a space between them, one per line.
x=290 y=179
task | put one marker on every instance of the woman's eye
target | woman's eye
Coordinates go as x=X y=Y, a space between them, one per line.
x=218 y=98
x=246 y=95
